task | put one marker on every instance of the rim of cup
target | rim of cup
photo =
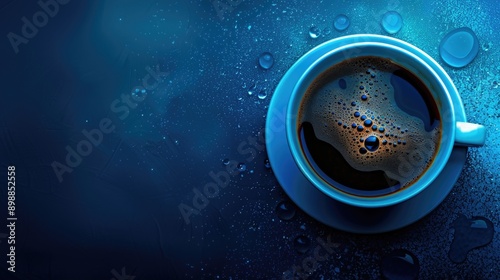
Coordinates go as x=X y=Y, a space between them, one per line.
x=407 y=59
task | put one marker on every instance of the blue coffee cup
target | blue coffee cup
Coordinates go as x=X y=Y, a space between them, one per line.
x=453 y=132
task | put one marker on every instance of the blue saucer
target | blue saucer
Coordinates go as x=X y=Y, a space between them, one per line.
x=322 y=207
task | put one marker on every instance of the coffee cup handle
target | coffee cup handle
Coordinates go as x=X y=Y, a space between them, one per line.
x=469 y=134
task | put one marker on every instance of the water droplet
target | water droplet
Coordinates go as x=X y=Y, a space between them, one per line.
x=362 y=151
x=486 y=46
x=314 y=32
x=225 y=161
x=368 y=123
x=267 y=164
x=285 y=210
x=353 y=103
x=341 y=22
x=392 y=22
x=371 y=143
x=364 y=97
x=242 y=167
x=262 y=94
x=302 y=244
x=469 y=234
x=326 y=31
x=400 y=264
x=266 y=60
x=251 y=89
x=459 y=47
x=357 y=114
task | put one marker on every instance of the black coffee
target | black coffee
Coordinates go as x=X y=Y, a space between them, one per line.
x=368 y=126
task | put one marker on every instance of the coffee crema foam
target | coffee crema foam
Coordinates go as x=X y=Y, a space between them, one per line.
x=352 y=106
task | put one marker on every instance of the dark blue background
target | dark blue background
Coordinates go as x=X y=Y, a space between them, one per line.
x=119 y=208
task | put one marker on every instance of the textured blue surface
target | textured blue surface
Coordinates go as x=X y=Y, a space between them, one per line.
x=120 y=206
